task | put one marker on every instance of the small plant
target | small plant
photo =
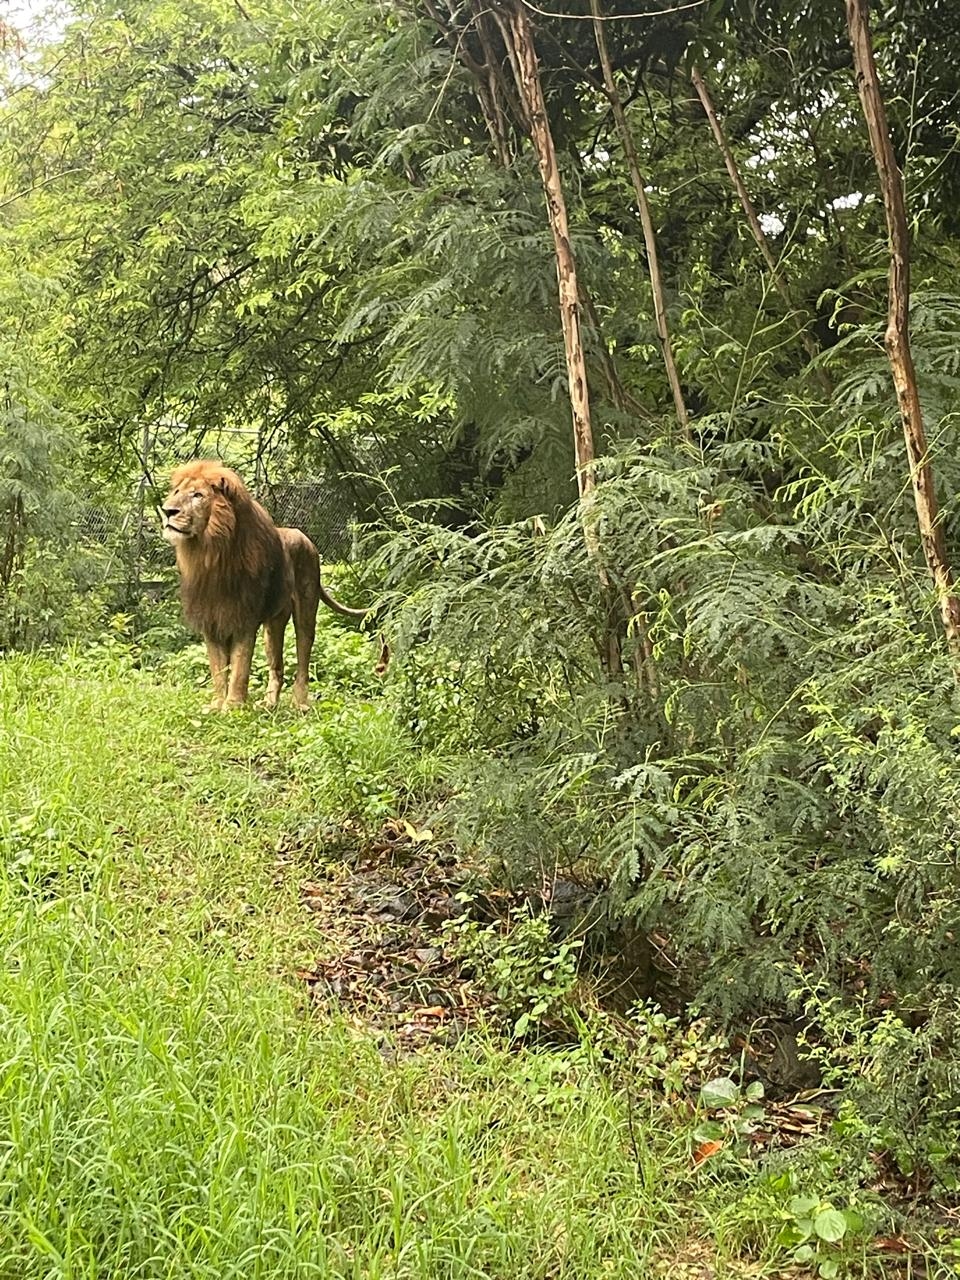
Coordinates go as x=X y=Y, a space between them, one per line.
x=735 y=1113
x=815 y=1230
x=529 y=975
x=671 y=1053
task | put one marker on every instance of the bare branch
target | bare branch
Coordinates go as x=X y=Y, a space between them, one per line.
x=646 y=221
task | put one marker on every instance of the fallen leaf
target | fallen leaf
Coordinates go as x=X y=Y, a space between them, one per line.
x=705 y=1151
x=418 y=837
x=893 y=1244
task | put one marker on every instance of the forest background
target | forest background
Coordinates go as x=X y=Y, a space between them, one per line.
x=664 y=588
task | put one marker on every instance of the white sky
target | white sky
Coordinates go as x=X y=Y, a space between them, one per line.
x=33 y=19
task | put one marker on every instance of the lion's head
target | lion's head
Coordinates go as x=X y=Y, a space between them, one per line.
x=201 y=504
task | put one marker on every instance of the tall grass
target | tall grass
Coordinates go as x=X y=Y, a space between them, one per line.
x=170 y=1106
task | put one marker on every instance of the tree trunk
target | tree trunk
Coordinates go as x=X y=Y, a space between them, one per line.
x=12 y=551
x=897 y=336
x=646 y=221
x=527 y=105
x=531 y=91
x=518 y=36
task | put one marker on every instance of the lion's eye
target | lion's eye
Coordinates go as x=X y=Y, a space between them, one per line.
x=196 y=495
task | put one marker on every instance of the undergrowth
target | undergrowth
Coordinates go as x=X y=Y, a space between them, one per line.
x=171 y=1105
x=767 y=786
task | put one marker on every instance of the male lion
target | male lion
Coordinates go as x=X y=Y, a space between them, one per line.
x=238 y=571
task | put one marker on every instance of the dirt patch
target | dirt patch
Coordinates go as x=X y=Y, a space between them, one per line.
x=380 y=905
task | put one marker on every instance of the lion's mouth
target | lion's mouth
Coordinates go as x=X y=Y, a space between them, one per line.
x=173 y=528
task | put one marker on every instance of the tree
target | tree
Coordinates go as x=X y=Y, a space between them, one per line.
x=897 y=337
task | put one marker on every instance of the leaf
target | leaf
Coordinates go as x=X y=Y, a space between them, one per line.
x=709 y=1131
x=754 y=1091
x=854 y=1221
x=804 y=1253
x=705 y=1151
x=802 y=1206
x=789 y=1235
x=415 y=836
x=893 y=1244
x=828 y=1268
x=719 y=1092
x=830 y=1225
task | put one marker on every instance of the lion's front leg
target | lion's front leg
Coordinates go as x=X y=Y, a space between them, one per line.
x=241 y=658
x=219 y=659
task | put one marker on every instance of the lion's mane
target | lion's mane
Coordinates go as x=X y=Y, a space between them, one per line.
x=232 y=577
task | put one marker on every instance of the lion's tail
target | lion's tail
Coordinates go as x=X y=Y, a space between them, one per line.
x=332 y=603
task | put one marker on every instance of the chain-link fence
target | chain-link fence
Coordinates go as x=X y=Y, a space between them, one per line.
x=137 y=557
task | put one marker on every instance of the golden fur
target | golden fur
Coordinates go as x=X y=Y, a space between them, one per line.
x=239 y=572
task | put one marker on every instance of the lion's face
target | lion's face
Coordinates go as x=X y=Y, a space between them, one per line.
x=187 y=508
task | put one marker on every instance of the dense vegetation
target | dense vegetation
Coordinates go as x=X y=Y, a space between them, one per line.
x=688 y=658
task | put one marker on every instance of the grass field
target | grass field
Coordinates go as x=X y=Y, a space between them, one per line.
x=172 y=1104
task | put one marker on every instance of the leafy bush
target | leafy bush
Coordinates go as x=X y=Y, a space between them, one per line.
x=52 y=596
x=757 y=785
x=528 y=973
x=898 y=1073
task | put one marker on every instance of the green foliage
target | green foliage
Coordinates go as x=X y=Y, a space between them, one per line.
x=35 y=506
x=529 y=974
x=816 y=1231
x=899 y=1080
x=358 y=762
x=735 y=1113
x=771 y=804
x=52 y=597
x=303 y=226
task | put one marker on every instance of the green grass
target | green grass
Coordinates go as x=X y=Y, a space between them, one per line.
x=171 y=1106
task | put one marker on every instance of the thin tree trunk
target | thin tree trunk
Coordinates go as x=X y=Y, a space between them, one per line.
x=753 y=222
x=518 y=36
x=13 y=546
x=531 y=91
x=646 y=221
x=897 y=336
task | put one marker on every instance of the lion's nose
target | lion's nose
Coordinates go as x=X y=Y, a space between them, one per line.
x=170 y=511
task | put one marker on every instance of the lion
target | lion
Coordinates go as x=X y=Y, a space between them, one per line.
x=238 y=572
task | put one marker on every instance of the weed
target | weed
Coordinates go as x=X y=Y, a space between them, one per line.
x=529 y=975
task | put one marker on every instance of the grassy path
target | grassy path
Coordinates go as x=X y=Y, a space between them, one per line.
x=170 y=1106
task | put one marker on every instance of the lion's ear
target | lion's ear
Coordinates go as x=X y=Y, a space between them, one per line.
x=231 y=486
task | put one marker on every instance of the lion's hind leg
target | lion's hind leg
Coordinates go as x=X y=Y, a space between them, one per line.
x=273 y=630
x=305 y=603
